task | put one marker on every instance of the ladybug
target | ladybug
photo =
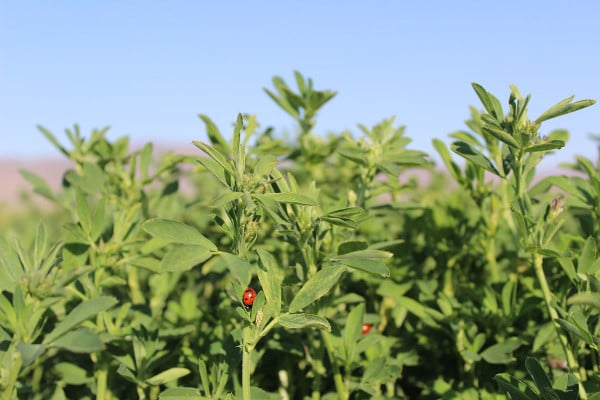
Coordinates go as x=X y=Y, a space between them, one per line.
x=366 y=328
x=248 y=298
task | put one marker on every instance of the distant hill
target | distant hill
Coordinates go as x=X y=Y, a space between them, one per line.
x=12 y=184
x=51 y=169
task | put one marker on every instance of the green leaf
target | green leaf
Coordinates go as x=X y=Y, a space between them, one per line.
x=568 y=267
x=470 y=356
x=72 y=374
x=214 y=135
x=265 y=165
x=541 y=379
x=352 y=246
x=282 y=100
x=149 y=263
x=184 y=257
x=125 y=222
x=221 y=159
x=81 y=340
x=181 y=393
x=241 y=270
x=268 y=275
x=237 y=146
x=300 y=81
x=501 y=353
x=352 y=331
x=52 y=139
x=465 y=150
x=343 y=222
x=551 y=145
x=30 y=352
x=501 y=135
x=544 y=252
x=366 y=260
x=451 y=166
x=464 y=136
x=93 y=179
x=167 y=376
x=83 y=212
x=516 y=389
x=82 y=312
x=375 y=372
x=302 y=320
x=346 y=212
x=587 y=257
x=586 y=298
x=203 y=375
x=11 y=271
x=260 y=394
x=428 y=315
x=369 y=254
x=39 y=184
x=509 y=294
x=98 y=221
x=489 y=101
x=367 y=265
x=177 y=232
x=355 y=155
x=222 y=174
x=544 y=334
x=145 y=156
x=293 y=198
x=564 y=107
x=226 y=198
x=316 y=287
x=573 y=329
x=568 y=185
x=579 y=321
x=567 y=387
x=127 y=374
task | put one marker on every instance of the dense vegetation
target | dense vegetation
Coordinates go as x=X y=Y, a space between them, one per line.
x=479 y=282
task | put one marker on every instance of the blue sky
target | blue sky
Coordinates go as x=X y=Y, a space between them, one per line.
x=148 y=68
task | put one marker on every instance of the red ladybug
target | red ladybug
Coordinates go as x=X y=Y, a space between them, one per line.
x=248 y=298
x=366 y=328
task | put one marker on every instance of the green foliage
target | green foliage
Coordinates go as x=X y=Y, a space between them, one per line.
x=302 y=106
x=370 y=281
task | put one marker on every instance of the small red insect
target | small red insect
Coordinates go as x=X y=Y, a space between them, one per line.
x=248 y=298
x=366 y=328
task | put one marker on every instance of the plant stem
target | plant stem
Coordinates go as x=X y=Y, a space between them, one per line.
x=37 y=375
x=101 y=384
x=448 y=280
x=572 y=361
x=337 y=376
x=16 y=363
x=316 y=394
x=490 y=255
x=316 y=383
x=524 y=205
x=137 y=297
x=102 y=362
x=245 y=372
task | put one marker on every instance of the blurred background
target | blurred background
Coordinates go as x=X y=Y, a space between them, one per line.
x=146 y=69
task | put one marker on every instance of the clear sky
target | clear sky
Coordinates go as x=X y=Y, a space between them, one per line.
x=147 y=68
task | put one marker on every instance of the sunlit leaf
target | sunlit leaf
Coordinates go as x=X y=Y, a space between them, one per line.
x=293 y=198
x=465 y=150
x=302 y=320
x=177 y=232
x=316 y=287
